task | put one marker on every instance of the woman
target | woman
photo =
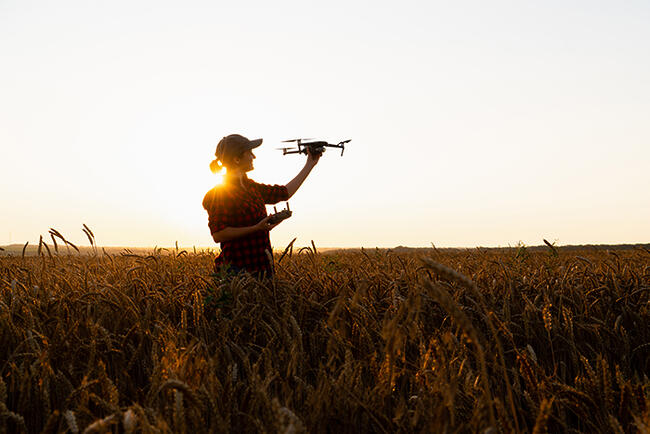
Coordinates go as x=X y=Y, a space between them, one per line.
x=236 y=208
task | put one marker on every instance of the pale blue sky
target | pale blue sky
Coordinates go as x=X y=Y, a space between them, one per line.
x=472 y=123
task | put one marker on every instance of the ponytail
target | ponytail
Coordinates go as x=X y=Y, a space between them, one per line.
x=216 y=166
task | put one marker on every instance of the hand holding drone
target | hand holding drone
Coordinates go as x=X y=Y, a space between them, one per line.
x=315 y=148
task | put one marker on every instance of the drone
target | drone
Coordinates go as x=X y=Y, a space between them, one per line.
x=317 y=147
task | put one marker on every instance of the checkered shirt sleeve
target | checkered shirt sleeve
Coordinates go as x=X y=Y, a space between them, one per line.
x=217 y=205
x=272 y=193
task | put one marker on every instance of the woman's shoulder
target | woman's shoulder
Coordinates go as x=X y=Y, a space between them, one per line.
x=212 y=196
x=256 y=185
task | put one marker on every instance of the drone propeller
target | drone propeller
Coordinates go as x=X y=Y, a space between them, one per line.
x=294 y=140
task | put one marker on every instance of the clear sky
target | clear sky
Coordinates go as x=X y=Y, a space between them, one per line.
x=472 y=122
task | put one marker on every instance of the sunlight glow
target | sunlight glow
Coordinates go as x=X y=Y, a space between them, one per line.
x=218 y=177
x=509 y=121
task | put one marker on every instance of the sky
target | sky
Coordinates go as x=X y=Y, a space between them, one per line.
x=472 y=123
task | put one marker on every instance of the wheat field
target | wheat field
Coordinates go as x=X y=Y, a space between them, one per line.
x=508 y=340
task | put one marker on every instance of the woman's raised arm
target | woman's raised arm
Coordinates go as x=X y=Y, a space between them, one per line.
x=295 y=183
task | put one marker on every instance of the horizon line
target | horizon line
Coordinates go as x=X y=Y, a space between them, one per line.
x=431 y=246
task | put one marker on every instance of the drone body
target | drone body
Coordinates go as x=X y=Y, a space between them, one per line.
x=317 y=147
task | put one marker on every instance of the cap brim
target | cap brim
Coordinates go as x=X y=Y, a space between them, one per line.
x=255 y=143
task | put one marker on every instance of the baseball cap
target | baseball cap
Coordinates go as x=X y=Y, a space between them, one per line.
x=234 y=145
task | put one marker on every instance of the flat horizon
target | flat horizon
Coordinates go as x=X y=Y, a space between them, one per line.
x=62 y=248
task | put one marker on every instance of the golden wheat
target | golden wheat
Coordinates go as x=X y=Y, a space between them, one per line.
x=372 y=341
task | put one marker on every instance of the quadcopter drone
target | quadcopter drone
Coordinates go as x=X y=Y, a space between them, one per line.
x=315 y=147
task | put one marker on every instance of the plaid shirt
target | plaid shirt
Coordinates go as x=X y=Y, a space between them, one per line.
x=231 y=205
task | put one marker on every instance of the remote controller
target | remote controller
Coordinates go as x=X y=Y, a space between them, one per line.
x=278 y=216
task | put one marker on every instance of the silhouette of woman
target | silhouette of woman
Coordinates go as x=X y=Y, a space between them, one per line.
x=236 y=208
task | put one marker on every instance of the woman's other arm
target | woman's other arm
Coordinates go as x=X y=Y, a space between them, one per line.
x=231 y=233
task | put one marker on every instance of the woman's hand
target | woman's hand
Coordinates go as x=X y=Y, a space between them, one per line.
x=313 y=157
x=264 y=224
